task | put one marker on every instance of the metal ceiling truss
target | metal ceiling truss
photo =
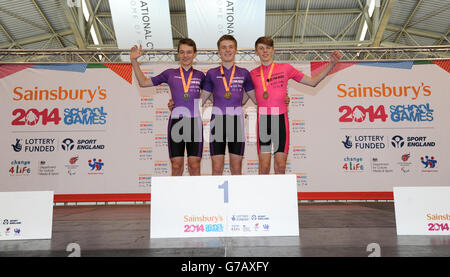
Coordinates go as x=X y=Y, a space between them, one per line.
x=439 y=52
x=80 y=28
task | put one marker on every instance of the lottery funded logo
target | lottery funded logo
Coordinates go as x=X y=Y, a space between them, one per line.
x=32 y=145
x=364 y=142
x=20 y=168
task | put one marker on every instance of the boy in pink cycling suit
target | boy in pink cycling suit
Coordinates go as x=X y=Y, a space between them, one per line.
x=270 y=81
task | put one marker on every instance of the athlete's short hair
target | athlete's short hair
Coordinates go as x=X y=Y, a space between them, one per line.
x=264 y=40
x=227 y=37
x=189 y=42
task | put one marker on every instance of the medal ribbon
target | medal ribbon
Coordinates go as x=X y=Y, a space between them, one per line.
x=186 y=86
x=227 y=86
x=265 y=82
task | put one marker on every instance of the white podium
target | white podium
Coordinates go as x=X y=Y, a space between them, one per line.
x=422 y=210
x=224 y=206
x=26 y=215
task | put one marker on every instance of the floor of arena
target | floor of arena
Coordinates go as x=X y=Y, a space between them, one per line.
x=330 y=229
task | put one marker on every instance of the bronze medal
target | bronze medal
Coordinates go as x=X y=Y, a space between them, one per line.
x=265 y=95
x=186 y=96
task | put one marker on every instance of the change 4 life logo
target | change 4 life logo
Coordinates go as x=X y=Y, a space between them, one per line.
x=353 y=164
x=96 y=166
x=429 y=163
x=19 y=168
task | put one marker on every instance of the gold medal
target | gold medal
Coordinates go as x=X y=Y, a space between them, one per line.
x=186 y=95
x=227 y=94
x=265 y=85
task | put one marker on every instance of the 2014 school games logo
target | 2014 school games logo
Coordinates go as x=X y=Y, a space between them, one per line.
x=144 y=180
x=147 y=102
x=302 y=179
x=161 y=168
x=252 y=167
x=20 y=168
x=412 y=113
x=145 y=154
x=146 y=127
x=299 y=152
x=96 y=166
x=31 y=145
x=398 y=141
x=85 y=116
x=297 y=100
x=162 y=114
x=298 y=126
x=160 y=140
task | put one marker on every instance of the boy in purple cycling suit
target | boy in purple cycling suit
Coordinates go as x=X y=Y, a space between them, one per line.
x=185 y=128
x=227 y=84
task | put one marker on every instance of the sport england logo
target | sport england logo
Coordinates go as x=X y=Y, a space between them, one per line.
x=397 y=141
x=67 y=144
